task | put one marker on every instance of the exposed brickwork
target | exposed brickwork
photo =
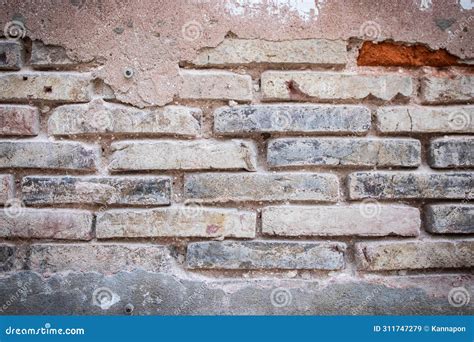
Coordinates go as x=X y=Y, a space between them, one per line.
x=277 y=164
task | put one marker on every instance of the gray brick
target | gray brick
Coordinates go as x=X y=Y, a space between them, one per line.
x=452 y=152
x=18 y=120
x=47 y=155
x=343 y=152
x=250 y=51
x=385 y=256
x=292 y=119
x=100 y=117
x=450 y=218
x=104 y=258
x=10 y=258
x=389 y=185
x=10 y=55
x=48 y=86
x=6 y=188
x=423 y=119
x=238 y=187
x=301 y=85
x=447 y=90
x=183 y=155
x=214 y=85
x=97 y=190
x=266 y=255
x=49 y=56
x=185 y=221
x=366 y=219
x=47 y=224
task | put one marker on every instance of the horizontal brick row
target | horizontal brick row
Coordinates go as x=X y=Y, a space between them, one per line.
x=255 y=51
x=386 y=256
x=99 y=117
x=343 y=152
x=19 y=120
x=96 y=190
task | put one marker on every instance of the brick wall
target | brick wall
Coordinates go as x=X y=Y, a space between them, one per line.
x=283 y=179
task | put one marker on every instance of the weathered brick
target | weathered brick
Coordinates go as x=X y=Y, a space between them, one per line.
x=343 y=152
x=47 y=155
x=215 y=85
x=183 y=155
x=100 y=117
x=185 y=221
x=385 y=185
x=292 y=119
x=10 y=55
x=237 y=187
x=450 y=218
x=99 y=190
x=6 y=188
x=19 y=120
x=266 y=255
x=104 y=258
x=366 y=219
x=247 y=51
x=47 y=224
x=10 y=258
x=385 y=256
x=63 y=87
x=422 y=119
x=452 y=152
x=49 y=56
x=300 y=85
x=447 y=90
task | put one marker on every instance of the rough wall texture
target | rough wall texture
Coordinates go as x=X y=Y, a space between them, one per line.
x=236 y=157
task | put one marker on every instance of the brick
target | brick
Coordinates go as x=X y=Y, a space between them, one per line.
x=7 y=185
x=19 y=120
x=185 y=221
x=302 y=85
x=10 y=55
x=386 y=256
x=47 y=155
x=183 y=155
x=98 y=190
x=104 y=258
x=238 y=187
x=249 y=51
x=452 y=152
x=62 y=87
x=49 y=56
x=366 y=219
x=292 y=119
x=343 y=152
x=422 y=119
x=10 y=258
x=387 y=185
x=100 y=117
x=450 y=218
x=251 y=255
x=47 y=224
x=447 y=90
x=215 y=85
